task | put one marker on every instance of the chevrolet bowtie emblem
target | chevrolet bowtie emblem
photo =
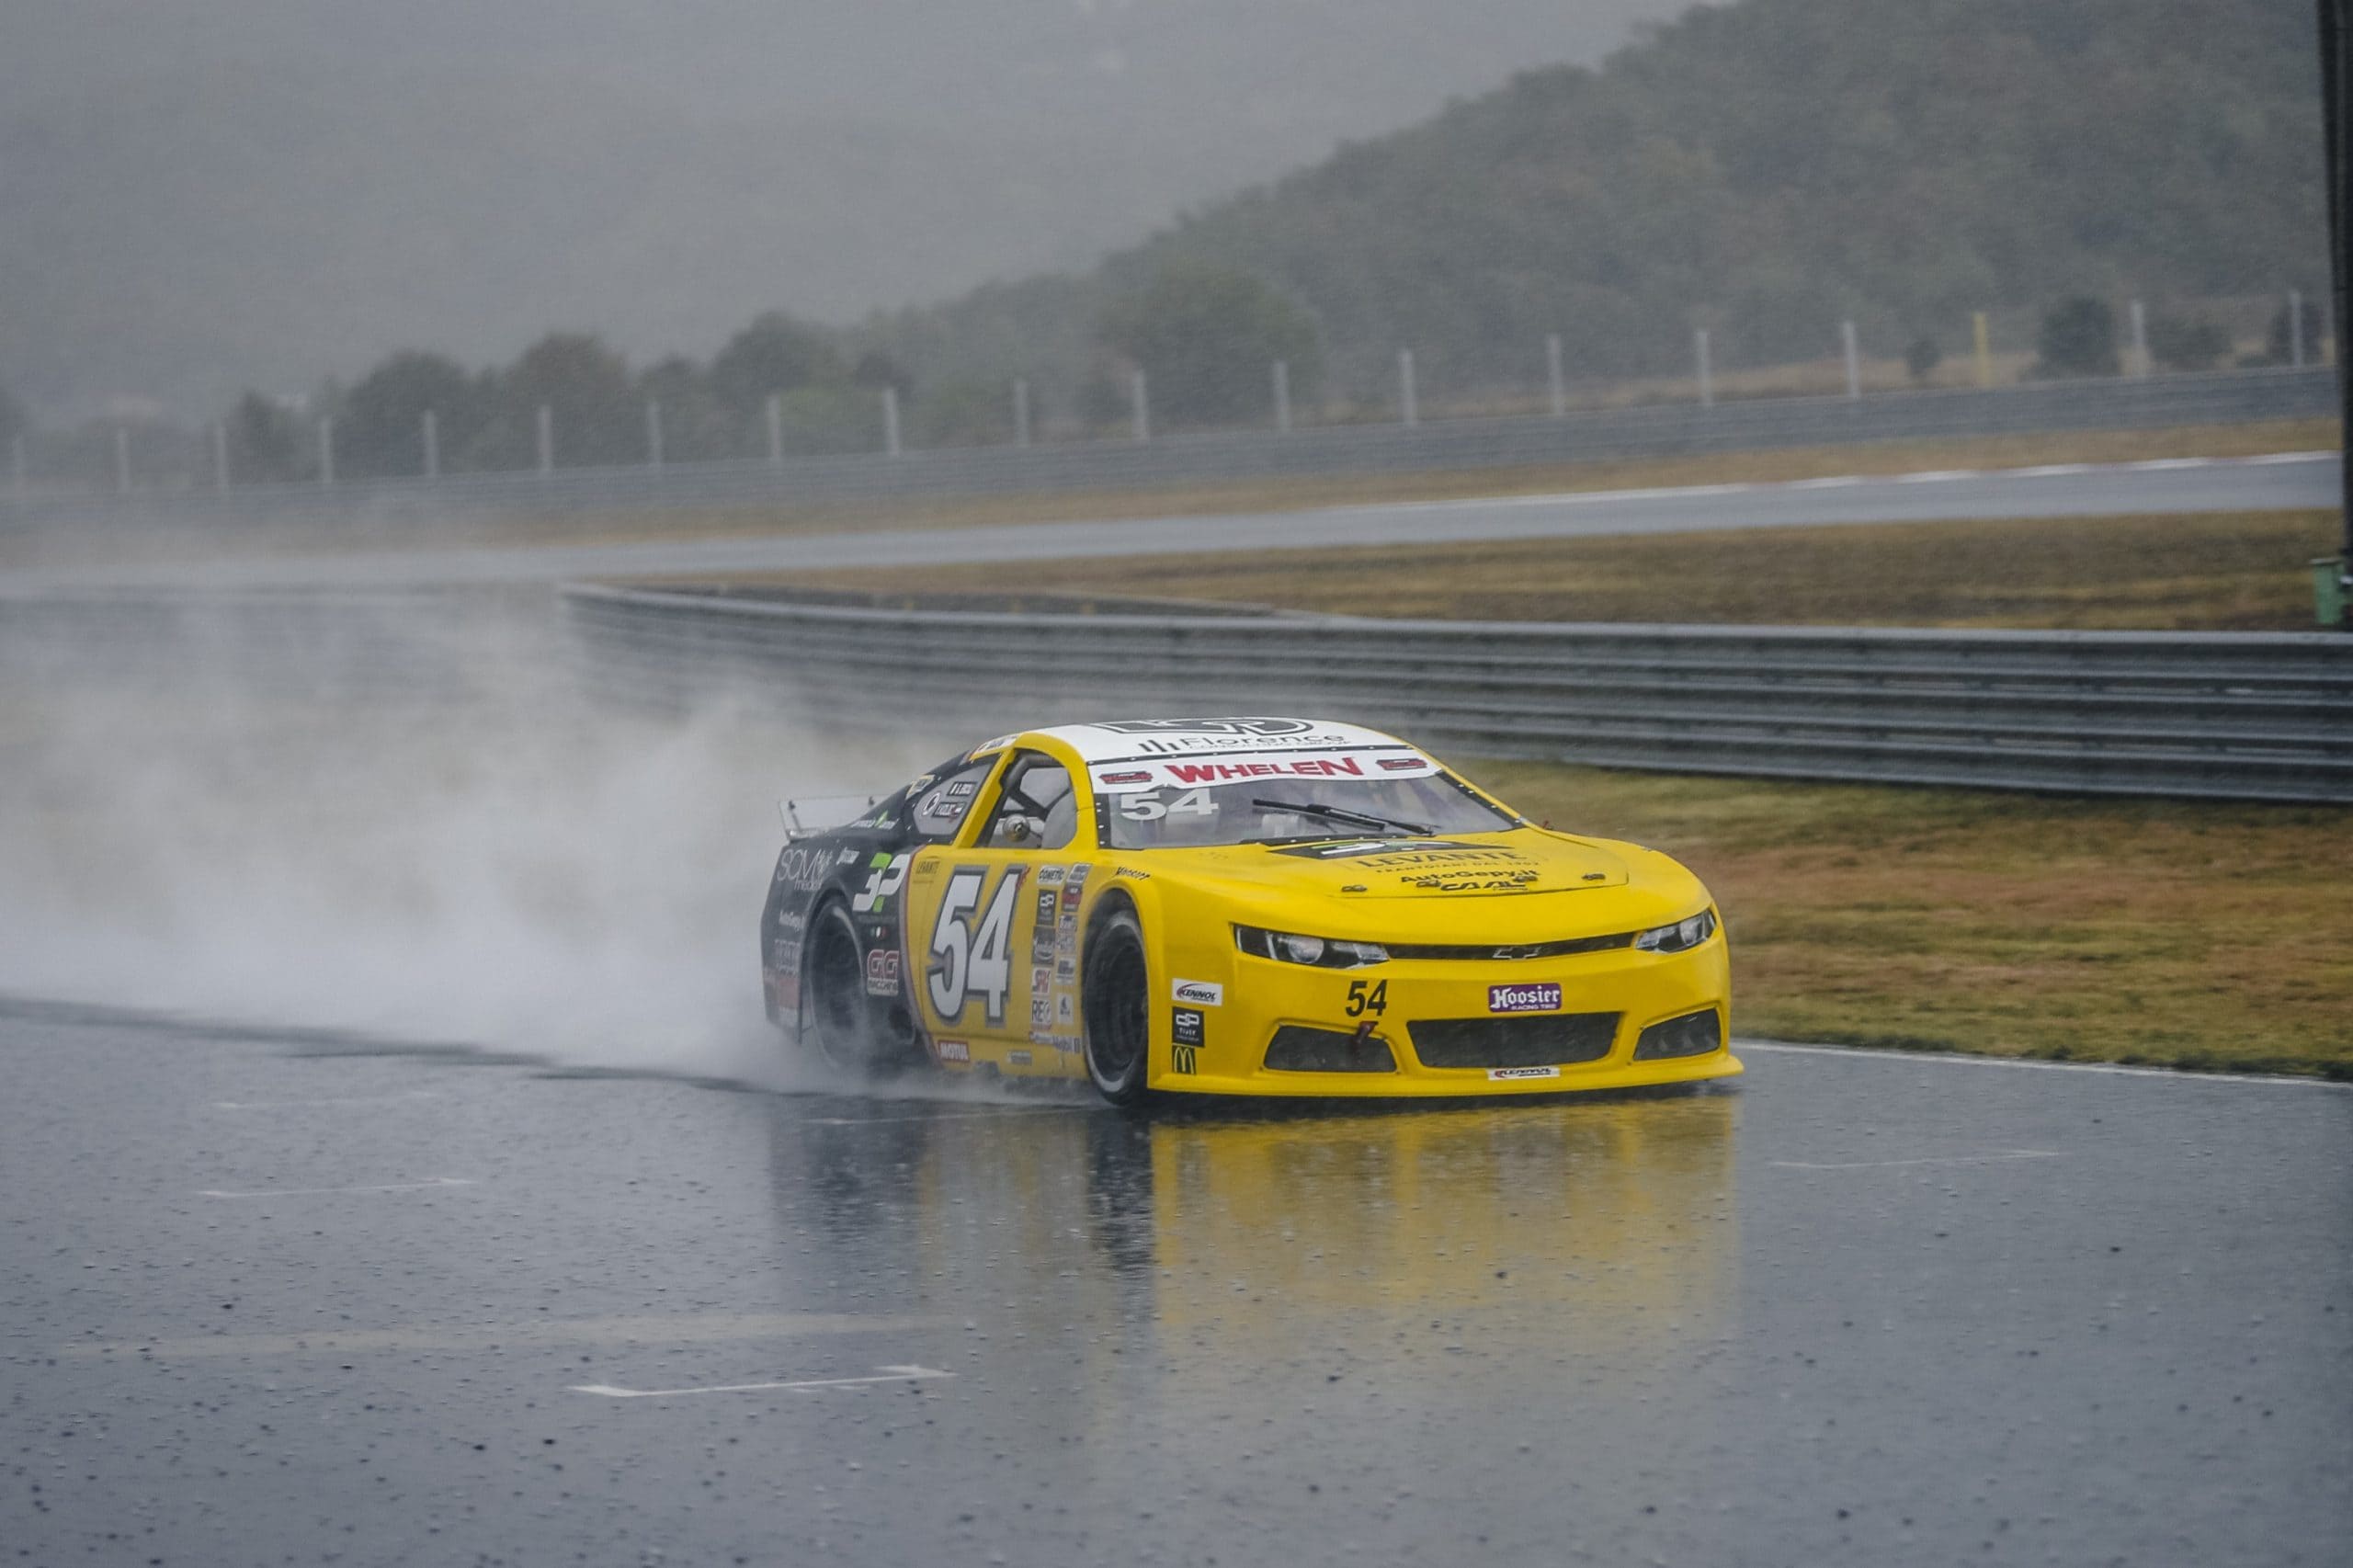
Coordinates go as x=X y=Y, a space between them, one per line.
x=1510 y=953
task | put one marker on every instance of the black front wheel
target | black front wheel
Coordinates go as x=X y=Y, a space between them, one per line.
x=1117 y=1019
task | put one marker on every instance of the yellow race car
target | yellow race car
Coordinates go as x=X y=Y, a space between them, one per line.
x=1239 y=906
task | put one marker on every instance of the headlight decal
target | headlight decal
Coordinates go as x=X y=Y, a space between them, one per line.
x=1680 y=938
x=1314 y=952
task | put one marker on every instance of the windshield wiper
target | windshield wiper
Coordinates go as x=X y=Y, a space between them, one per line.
x=1342 y=814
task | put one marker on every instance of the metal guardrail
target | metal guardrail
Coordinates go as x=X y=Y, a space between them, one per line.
x=1659 y=430
x=2222 y=716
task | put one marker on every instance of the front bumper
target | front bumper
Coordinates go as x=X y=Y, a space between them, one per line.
x=1604 y=1002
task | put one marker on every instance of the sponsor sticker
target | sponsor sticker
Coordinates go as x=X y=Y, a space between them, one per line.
x=1052 y=876
x=1538 y=996
x=1507 y=1075
x=955 y=1050
x=882 y=973
x=964 y=787
x=1018 y=1057
x=1132 y=871
x=1256 y=763
x=1066 y=1010
x=802 y=870
x=1258 y=727
x=1071 y=892
x=1041 y=979
x=1199 y=993
x=1451 y=881
x=1042 y=1013
x=1398 y=851
x=1187 y=1026
x=1066 y=969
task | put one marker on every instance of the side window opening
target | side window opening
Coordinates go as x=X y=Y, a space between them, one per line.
x=1036 y=808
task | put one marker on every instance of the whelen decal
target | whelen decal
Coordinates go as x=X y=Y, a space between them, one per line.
x=1190 y=772
x=1506 y=1074
x=1544 y=998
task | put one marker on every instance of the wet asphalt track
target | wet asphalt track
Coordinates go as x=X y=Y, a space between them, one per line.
x=2285 y=480
x=280 y=1300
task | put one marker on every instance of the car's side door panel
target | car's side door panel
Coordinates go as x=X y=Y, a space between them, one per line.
x=993 y=958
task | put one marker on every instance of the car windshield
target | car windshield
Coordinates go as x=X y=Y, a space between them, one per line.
x=1278 y=811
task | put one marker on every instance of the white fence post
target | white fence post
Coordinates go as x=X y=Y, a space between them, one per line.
x=326 y=451
x=1410 y=415
x=654 y=433
x=1552 y=376
x=1854 y=360
x=776 y=429
x=431 y=424
x=1706 y=378
x=2296 y=327
x=2142 y=364
x=1020 y=411
x=220 y=457
x=890 y=421
x=547 y=440
x=1137 y=397
x=1282 y=397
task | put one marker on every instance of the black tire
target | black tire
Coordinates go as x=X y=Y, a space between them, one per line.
x=835 y=981
x=1117 y=1015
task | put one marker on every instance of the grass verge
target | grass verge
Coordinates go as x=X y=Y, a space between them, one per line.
x=2210 y=572
x=2178 y=934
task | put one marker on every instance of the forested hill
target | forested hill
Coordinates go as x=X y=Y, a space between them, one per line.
x=1765 y=168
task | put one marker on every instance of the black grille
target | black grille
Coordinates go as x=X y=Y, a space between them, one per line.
x=1297 y=1048
x=1490 y=952
x=1694 y=1034
x=1556 y=1039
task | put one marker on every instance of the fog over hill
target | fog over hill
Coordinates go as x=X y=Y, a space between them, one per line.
x=197 y=195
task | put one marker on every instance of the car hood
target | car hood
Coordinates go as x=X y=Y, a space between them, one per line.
x=1515 y=864
x=1524 y=885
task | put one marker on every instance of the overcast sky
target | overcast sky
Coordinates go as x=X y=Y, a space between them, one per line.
x=197 y=195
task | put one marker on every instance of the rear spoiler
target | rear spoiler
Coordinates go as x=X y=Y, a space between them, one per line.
x=827 y=808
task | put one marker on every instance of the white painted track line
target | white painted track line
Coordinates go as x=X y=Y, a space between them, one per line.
x=888 y=1375
x=1994 y=1157
x=432 y=1185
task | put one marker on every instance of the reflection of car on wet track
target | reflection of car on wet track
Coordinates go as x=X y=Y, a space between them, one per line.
x=1241 y=906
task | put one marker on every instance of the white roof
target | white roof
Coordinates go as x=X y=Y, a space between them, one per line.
x=1137 y=740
